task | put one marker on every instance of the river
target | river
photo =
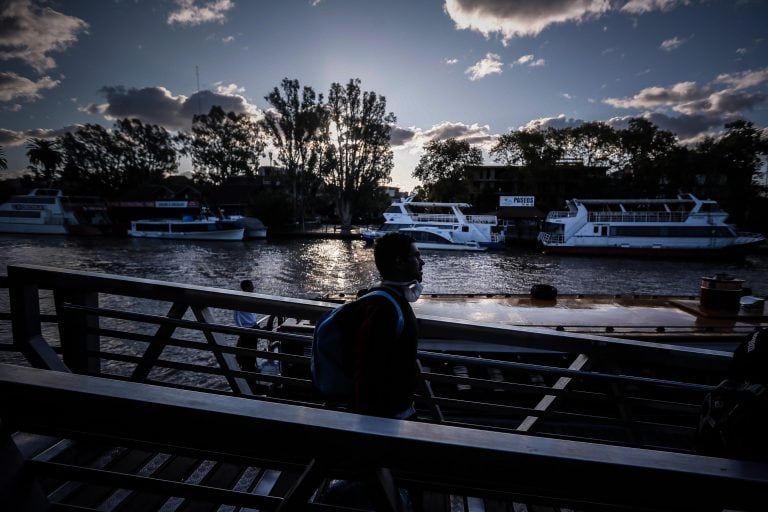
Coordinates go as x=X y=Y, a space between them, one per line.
x=311 y=268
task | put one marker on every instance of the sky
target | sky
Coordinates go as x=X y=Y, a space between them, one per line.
x=470 y=69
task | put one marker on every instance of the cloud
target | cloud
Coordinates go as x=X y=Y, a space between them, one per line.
x=558 y=122
x=30 y=32
x=521 y=17
x=652 y=97
x=189 y=13
x=693 y=111
x=672 y=44
x=415 y=138
x=14 y=87
x=157 y=105
x=643 y=6
x=528 y=60
x=11 y=138
x=490 y=65
x=228 y=39
x=451 y=62
x=712 y=99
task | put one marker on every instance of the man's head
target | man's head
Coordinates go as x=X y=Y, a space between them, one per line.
x=246 y=285
x=397 y=258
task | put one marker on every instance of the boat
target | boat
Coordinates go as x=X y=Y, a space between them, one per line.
x=254 y=228
x=203 y=227
x=682 y=226
x=465 y=228
x=48 y=211
x=432 y=238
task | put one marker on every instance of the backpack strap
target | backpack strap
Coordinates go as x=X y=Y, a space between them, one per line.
x=388 y=295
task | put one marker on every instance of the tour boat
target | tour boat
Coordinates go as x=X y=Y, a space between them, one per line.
x=682 y=226
x=48 y=211
x=188 y=228
x=431 y=238
x=465 y=228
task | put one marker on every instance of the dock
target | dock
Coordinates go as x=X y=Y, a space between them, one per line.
x=145 y=408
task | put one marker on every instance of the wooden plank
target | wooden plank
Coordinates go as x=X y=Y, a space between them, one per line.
x=438 y=456
x=77 y=330
x=548 y=401
x=227 y=361
x=156 y=347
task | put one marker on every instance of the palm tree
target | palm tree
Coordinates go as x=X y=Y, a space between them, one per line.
x=3 y=161
x=45 y=154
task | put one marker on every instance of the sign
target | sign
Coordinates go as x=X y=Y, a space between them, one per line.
x=171 y=204
x=517 y=201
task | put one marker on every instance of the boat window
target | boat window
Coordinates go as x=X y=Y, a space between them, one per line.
x=152 y=227
x=465 y=228
x=21 y=214
x=594 y=229
x=710 y=208
x=33 y=200
x=673 y=231
x=187 y=228
x=393 y=209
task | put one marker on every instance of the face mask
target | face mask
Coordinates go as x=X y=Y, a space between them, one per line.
x=412 y=291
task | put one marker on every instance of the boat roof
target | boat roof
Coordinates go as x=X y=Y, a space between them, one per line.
x=423 y=203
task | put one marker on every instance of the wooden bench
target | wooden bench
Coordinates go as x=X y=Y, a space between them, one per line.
x=303 y=447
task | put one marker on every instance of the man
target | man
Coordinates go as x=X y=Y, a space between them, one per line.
x=245 y=318
x=249 y=320
x=385 y=362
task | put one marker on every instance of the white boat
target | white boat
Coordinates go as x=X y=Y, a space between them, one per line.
x=48 y=211
x=432 y=238
x=682 y=226
x=254 y=228
x=464 y=228
x=188 y=228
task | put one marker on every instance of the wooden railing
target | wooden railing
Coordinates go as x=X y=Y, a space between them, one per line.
x=155 y=448
x=532 y=380
x=505 y=412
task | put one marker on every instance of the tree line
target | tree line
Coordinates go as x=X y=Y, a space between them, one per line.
x=340 y=145
x=339 y=148
x=598 y=161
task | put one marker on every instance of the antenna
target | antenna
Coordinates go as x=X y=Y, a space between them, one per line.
x=197 y=77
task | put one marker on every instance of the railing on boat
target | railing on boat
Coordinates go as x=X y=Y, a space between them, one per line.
x=491 y=380
x=448 y=217
x=638 y=216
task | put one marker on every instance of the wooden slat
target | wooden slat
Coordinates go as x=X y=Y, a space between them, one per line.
x=438 y=456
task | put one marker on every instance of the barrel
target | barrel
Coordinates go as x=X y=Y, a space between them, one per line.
x=721 y=292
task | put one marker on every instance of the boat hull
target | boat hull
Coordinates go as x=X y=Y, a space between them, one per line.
x=680 y=252
x=229 y=234
x=33 y=229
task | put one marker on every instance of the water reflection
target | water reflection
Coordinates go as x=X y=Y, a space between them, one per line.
x=309 y=268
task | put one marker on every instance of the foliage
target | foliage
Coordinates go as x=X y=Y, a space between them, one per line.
x=104 y=162
x=358 y=155
x=45 y=158
x=3 y=160
x=223 y=145
x=272 y=207
x=593 y=144
x=148 y=152
x=533 y=148
x=296 y=127
x=442 y=169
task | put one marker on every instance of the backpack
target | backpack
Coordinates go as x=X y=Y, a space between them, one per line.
x=331 y=361
x=734 y=416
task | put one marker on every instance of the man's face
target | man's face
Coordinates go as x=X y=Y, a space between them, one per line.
x=413 y=264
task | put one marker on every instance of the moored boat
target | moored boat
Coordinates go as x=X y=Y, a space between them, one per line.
x=682 y=226
x=431 y=238
x=483 y=230
x=188 y=228
x=49 y=212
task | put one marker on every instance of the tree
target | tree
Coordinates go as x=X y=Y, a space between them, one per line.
x=358 y=151
x=533 y=148
x=45 y=158
x=594 y=144
x=646 y=151
x=442 y=169
x=295 y=127
x=147 y=152
x=92 y=161
x=223 y=145
x=3 y=161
